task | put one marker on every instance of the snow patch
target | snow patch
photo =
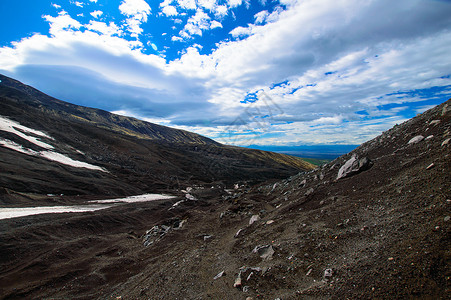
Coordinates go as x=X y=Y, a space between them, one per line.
x=17 y=129
x=133 y=199
x=8 y=213
x=20 y=130
x=15 y=212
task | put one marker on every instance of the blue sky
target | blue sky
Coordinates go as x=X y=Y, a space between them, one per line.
x=268 y=73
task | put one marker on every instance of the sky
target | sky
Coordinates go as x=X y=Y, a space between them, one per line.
x=243 y=72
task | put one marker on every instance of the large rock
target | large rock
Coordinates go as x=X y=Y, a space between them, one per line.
x=354 y=166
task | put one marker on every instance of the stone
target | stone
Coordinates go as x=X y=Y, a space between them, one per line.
x=446 y=142
x=447 y=218
x=430 y=166
x=434 y=122
x=309 y=191
x=219 y=275
x=446 y=109
x=254 y=219
x=265 y=252
x=238 y=232
x=354 y=166
x=429 y=137
x=416 y=139
x=237 y=283
x=190 y=197
x=328 y=273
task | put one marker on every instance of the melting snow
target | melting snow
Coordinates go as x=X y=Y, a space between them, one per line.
x=17 y=129
x=133 y=199
x=7 y=213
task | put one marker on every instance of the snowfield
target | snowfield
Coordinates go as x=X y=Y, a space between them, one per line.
x=20 y=130
x=15 y=212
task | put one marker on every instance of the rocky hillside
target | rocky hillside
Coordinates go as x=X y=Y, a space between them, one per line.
x=373 y=224
x=50 y=146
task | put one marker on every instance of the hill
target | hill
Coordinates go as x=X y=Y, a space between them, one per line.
x=119 y=155
x=372 y=224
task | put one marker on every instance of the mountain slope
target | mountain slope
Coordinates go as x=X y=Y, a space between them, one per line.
x=137 y=156
x=380 y=231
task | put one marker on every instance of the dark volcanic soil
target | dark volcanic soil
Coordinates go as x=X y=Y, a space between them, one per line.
x=383 y=233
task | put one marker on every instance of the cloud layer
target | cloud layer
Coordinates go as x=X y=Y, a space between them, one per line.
x=312 y=71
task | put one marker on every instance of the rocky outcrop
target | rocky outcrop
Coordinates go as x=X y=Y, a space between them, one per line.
x=354 y=166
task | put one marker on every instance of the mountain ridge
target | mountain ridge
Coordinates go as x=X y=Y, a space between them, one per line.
x=140 y=156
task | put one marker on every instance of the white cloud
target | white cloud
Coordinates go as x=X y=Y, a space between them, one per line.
x=103 y=28
x=207 y=4
x=135 y=8
x=79 y=4
x=215 y=24
x=56 y=6
x=96 y=14
x=196 y=24
x=95 y=1
x=261 y=17
x=169 y=11
x=62 y=22
x=187 y=4
x=176 y=39
x=137 y=12
x=241 y=31
x=330 y=70
x=221 y=11
x=234 y=3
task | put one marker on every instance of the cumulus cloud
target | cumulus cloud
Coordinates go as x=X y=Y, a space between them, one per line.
x=196 y=24
x=215 y=24
x=96 y=14
x=79 y=4
x=312 y=67
x=137 y=12
x=169 y=11
x=241 y=31
x=261 y=17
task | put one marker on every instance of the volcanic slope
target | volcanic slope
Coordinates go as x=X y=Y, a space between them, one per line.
x=373 y=224
x=51 y=146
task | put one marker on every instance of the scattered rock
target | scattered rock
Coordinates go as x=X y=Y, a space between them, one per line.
x=328 y=273
x=309 y=272
x=303 y=183
x=446 y=142
x=269 y=222
x=237 y=283
x=155 y=234
x=254 y=219
x=416 y=139
x=238 y=232
x=446 y=109
x=220 y=274
x=447 y=218
x=429 y=137
x=430 y=166
x=207 y=237
x=309 y=191
x=354 y=166
x=190 y=197
x=434 y=122
x=265 y=252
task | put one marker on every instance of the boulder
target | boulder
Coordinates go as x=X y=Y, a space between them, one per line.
x=266 y=252
x=354 y=166
x=416 y=139
x=254 y=219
